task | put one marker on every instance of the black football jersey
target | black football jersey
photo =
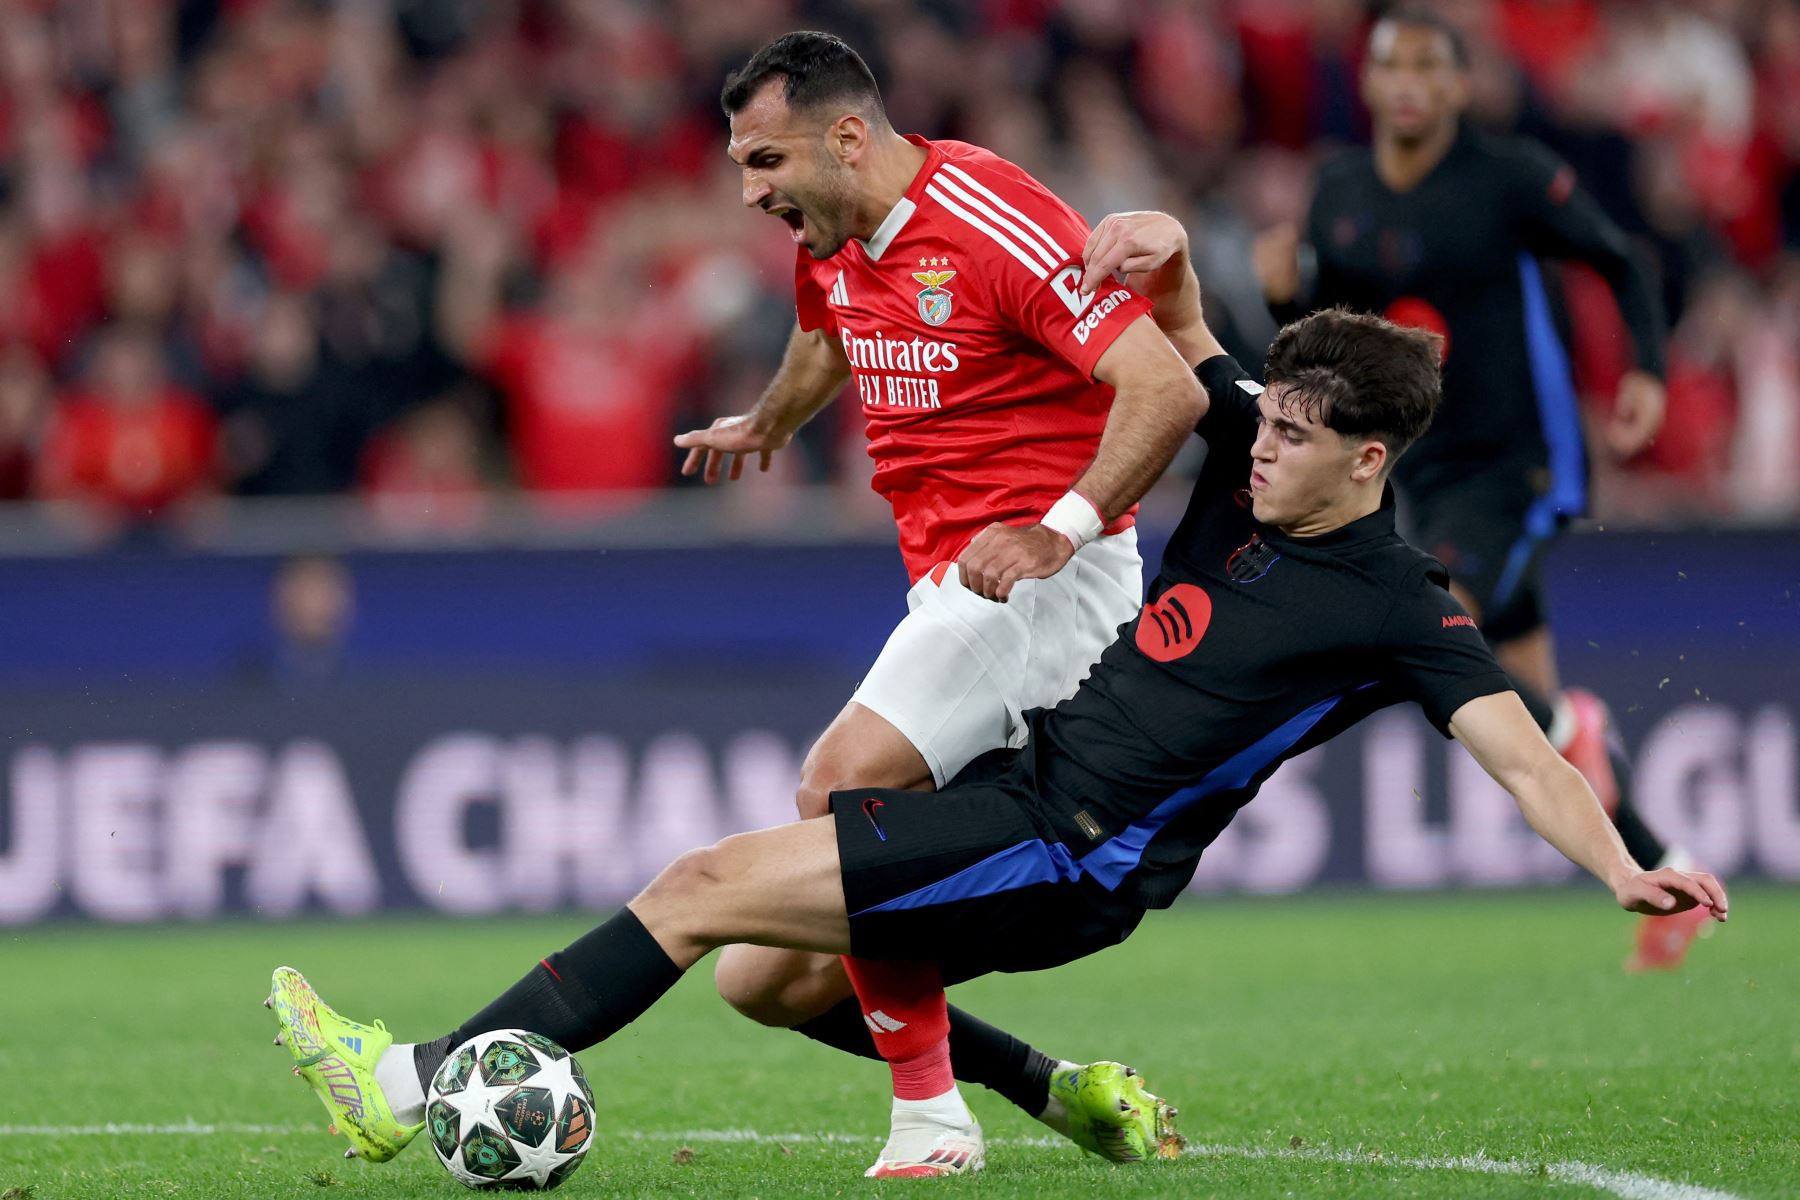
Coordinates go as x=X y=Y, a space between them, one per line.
x=1253 y=647
x=1464 y=252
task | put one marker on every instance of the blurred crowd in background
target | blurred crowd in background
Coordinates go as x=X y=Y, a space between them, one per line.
x=433 y=252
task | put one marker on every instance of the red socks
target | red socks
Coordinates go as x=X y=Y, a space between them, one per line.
x=904 y=1007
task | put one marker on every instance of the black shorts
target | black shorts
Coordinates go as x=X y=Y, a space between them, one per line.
x=1491 y=532
x=968 y=878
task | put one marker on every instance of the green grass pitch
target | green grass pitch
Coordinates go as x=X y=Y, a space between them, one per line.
x=1322 y=1046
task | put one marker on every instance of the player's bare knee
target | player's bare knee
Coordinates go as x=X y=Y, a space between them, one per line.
x=735 y=981
x=747 y=980
x=820 y=776
x=812 y=800
x=813 y=990
x=780 y=990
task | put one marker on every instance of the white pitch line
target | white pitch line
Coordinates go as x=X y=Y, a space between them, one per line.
x=1628 y=1185
x=116 y=1129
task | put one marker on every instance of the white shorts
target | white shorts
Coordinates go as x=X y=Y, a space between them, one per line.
x=959 y=671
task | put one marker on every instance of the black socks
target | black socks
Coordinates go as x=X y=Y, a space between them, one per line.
x=979 y=1052
x=577 y=997
x=1000 y=1062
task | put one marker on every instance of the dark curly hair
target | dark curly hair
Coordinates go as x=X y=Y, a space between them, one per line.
x=1359 y=375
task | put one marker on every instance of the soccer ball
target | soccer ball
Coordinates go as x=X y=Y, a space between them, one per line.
x=510 y=1109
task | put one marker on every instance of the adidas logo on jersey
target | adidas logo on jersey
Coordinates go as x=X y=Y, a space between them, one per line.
x=840 y=296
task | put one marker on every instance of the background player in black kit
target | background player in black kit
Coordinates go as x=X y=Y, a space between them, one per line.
x=1286 y=609
x=1438 y=226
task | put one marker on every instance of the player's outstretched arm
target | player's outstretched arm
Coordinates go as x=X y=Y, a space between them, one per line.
x=1557 y=802
x=1151 y=250
x=813 y=370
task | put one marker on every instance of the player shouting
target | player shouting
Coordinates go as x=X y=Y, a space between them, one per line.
x=1014 y=421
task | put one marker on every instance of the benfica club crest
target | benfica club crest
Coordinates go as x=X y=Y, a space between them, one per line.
x=934 y=301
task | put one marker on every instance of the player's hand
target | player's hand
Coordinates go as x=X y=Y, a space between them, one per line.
x=1276 y=256
x=1637 y=413
x=1133 y=244
x=1662 y=892
x=1001 y=555
x=733 y=438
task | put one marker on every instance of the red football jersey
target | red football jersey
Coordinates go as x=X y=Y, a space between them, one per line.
x=972 y=348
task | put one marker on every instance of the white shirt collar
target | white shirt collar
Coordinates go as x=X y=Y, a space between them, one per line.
x=889 y=229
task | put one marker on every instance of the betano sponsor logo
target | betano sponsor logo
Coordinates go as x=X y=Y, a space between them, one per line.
x=1085 y=327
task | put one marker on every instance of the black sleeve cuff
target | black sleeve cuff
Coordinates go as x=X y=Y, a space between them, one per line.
x=1445 y=703
x=1219 y=375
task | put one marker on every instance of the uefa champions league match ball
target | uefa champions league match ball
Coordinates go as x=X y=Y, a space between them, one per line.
x=510 y=1109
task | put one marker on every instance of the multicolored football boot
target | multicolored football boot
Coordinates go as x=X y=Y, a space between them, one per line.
x=924 y=1149
x=1106 y=1110
x=337 y=1059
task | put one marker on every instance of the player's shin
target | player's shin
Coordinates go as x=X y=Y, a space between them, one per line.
x=576 y=997
x=979 y=1052
x=905 y=1010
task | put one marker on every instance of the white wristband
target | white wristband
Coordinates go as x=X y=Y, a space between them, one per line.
x=1075 y=517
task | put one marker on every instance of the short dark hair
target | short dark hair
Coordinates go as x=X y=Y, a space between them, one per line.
x=1414 y=17
x=815 y=68
x=1359 y=375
